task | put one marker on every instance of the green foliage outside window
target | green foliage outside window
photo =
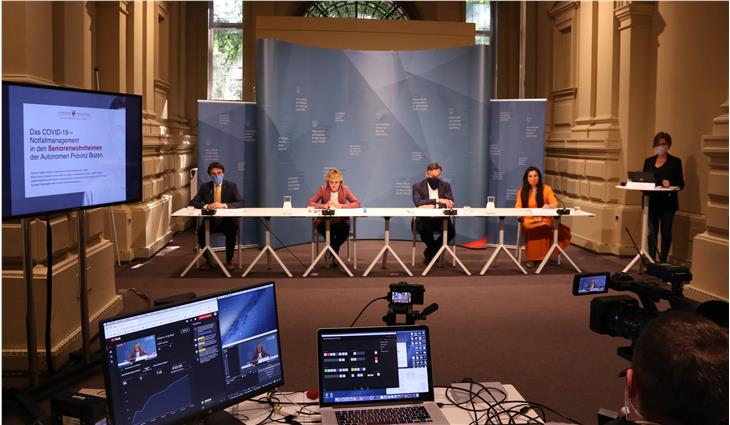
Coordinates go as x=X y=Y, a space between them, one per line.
x=226 y=45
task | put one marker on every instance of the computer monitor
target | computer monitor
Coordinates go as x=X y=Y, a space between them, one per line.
x=188 y=360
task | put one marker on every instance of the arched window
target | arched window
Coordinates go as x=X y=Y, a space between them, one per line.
x=356 y=10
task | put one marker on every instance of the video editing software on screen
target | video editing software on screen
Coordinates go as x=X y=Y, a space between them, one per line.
x=172 y=363
x=374 y=366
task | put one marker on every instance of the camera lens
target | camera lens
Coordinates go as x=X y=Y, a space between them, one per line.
x=617 y=316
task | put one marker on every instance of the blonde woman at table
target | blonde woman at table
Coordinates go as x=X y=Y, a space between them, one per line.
x=333 y=195
x=538 y=231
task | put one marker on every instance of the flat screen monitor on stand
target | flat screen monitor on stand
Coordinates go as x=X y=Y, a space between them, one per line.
x=66 y=149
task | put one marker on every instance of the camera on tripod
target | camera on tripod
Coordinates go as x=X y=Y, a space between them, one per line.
x=625 y=316
x=401 y=299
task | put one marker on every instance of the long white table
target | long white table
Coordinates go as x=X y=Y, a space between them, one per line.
x=255 y=412
x=386 y=214
x=644 y=221
x=503 y=213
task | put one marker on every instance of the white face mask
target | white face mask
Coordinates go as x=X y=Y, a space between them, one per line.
x=660 y=150
x=629 y=409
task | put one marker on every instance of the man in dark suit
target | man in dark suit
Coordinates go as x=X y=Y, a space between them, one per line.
x=432 y=192
x=219 y=194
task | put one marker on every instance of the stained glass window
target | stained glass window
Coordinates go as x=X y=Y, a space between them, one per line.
x=356 y=10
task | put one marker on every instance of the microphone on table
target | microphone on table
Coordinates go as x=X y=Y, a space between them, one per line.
x=561 y=210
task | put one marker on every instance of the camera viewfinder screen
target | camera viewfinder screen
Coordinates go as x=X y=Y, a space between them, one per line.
x=401 y=297
x=591 y=284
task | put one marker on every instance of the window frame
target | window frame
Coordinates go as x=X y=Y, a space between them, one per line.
x=212 y=26
x=395 y=7
x=489 y=33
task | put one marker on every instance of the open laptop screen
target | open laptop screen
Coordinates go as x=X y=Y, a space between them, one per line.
x=642 y=176
x=374 y=365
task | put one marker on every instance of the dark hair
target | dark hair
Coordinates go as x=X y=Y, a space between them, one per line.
x=216 y=164
x=433 y=166
x=680 y=365
x=662 y=135
x=525 y=192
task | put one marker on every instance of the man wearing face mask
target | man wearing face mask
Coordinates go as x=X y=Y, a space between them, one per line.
x=432 y=192
x=667 y=171
x=678 y=373
x=218 y=194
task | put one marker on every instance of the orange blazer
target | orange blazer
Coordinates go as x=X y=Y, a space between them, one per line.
x=547 y=196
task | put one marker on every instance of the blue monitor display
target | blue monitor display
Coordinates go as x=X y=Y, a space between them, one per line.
x=191 y=359
x=67 y=149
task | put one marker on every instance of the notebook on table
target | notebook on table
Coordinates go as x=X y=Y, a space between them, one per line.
x=378 y=375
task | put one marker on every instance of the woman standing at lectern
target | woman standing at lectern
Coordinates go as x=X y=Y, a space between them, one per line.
x=667 y=171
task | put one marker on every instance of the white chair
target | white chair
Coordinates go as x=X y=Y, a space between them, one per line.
x=197 y=247
x=520 y=244
x=413 y=245
x=351 y=241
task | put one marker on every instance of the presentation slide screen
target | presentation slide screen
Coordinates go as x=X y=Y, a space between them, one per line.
x=67 y=149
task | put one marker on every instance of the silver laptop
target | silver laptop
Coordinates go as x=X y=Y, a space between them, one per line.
x=376 y=375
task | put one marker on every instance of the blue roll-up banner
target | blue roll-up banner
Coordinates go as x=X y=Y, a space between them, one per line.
x=380 y=117
x=227 y=134
x=516 y=141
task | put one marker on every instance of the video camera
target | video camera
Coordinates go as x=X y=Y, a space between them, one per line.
x=401 y=298
x=625 y=316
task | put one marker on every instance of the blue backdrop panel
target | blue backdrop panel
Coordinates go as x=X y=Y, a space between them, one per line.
x=227 y=134
x=516 y=141
x=381 y=117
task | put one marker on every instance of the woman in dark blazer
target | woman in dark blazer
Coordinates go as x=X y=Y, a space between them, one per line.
x=334 y=194
x=667 y=171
